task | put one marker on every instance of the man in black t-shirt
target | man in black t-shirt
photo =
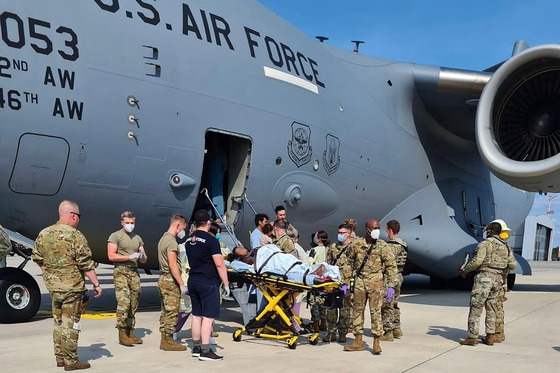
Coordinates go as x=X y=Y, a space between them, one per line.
x=207 y=271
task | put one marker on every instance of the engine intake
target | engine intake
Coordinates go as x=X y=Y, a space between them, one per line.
x=518 y=120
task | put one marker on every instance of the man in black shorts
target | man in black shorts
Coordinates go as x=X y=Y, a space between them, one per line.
x=207 y=272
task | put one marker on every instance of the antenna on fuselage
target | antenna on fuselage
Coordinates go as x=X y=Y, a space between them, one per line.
x=357 y=45
x=321 y=38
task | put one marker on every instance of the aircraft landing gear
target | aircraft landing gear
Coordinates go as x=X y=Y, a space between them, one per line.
x=437 y=283
x=20 y=296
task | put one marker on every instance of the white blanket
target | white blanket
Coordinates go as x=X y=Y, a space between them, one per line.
x=270 y=259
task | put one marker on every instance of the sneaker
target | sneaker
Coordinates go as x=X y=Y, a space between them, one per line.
x=196 y=351
x=213 y=341
x=209 y=356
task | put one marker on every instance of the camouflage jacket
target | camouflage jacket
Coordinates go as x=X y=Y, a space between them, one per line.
x=400 y=249
x=337 y=255
x=491 y=255
x=64 y=255
x=381 y=265
x=286 y=244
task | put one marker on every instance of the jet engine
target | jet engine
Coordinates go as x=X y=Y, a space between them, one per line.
x=518 y=120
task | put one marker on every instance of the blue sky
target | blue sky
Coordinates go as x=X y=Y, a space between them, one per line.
x=469 y=35
x=472 y=34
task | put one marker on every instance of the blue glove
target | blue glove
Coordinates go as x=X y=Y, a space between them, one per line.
x=390 y=293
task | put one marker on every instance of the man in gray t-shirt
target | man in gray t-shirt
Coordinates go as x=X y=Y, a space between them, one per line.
x=125 y=248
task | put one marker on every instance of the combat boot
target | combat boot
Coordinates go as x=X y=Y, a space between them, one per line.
x=168 y=344
x=358 y=344
x=397 y=333
x=489 y=339
x=60 y=363
x=469 y=342
x=330 y=337
x=124 y=339
x=376 y=345
x=323 y=326
x=388 y=337
x=499 y=337
x=133 y=338
x=77 y=366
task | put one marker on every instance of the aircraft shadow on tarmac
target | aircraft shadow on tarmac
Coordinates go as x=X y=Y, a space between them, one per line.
x=537 y=288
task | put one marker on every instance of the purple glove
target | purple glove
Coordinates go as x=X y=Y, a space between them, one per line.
x=344 y=288
x=390 y=293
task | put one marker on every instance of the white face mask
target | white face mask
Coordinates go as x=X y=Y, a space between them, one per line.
x=374 y=234
x=129 y=227
x=181 y=234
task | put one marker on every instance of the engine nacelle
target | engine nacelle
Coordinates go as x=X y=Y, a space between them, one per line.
x=518 y=120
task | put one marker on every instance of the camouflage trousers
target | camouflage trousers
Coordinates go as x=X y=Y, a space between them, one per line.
x=390 y=311
x=170 y=295
x=318 y=312
x=127 y=291
x=339 y=319
x=373 y=292
x=500 y=309
x=66 y=314
x=484 y=294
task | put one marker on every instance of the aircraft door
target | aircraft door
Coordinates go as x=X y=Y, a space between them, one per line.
x=40 y=164
x=473 y=207
x=227 y=159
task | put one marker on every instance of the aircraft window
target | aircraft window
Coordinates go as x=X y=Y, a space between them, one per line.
x=278 y=161
x=316 y=165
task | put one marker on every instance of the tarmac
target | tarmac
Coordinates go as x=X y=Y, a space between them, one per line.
x=433 y=323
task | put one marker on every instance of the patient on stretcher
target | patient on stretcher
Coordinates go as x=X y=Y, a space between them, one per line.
x=270 y=259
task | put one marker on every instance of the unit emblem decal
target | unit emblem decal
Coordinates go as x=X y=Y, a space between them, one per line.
x=331 y=156
x=299 y=148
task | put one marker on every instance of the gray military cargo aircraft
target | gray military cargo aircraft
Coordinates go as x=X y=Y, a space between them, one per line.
x=111 y=103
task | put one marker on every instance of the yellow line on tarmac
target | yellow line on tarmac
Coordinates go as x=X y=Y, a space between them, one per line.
x=98 y=315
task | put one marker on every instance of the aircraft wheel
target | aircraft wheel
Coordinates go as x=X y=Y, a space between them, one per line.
x=20 y=296
x=437 y=283
x=237 y=335
x=292 y=343
x=511 y=281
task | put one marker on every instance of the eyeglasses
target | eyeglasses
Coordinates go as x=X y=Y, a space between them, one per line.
x=77 y=214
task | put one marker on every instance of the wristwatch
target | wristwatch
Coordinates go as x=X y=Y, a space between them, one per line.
x=95 y=286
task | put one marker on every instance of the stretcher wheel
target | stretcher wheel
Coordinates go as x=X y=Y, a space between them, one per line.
x=314 y=339
x=292 y=343
x=237 y=335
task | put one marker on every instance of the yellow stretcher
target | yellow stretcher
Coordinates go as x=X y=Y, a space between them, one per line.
x=277 y=320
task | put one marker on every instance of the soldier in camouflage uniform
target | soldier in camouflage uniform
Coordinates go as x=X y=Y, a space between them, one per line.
x=490 y=260
x=374 y=266
x=64 y=256
x=125 y=248
x=170 y=283
x=284 y=243
x=390 y=311
x=499 y=335
x=339 y=319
